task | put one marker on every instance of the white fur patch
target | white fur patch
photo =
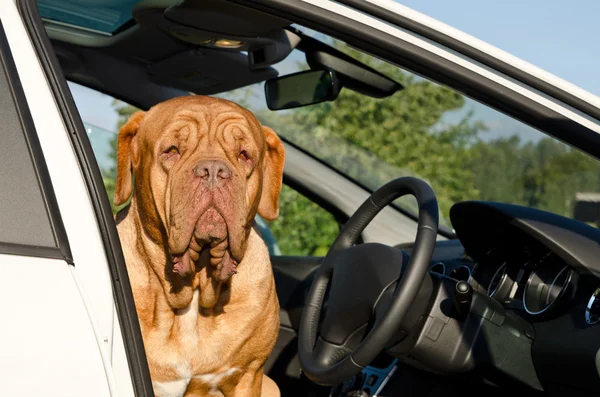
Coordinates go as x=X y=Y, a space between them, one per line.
x=187 y=319
x=189 y=314
x=174 y=388
x=214 y=379
x=188 y=323
x=184 y=370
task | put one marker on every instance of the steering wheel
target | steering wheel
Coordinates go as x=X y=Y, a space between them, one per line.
x=338 y=346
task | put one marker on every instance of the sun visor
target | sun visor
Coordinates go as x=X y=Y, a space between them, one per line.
x=224 y=18
x=208 y=71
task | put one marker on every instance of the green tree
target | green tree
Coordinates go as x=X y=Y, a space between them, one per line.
x=544 y=174
x=303 y=227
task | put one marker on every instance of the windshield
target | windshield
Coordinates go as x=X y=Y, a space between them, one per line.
x=465 y=150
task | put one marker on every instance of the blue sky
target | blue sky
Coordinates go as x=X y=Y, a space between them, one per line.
x=558 y=36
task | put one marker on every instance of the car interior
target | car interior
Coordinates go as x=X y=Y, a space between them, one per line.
x=510 y=294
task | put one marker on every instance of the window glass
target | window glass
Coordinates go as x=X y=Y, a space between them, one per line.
x=24 y=214
x=102 y=117
x=552 y=35
x=465 y=150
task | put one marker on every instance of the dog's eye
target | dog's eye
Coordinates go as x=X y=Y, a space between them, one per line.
x=244 y=156
x=172 y=150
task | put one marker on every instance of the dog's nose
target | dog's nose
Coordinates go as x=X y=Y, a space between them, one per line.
x=213 y=172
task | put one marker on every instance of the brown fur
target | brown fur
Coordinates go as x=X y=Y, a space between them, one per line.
x=184 y=235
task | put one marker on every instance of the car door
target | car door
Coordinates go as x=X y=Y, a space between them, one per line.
x=86 y=338
x=57 y=336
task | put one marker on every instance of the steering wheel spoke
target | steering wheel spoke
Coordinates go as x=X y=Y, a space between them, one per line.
x=329 y=354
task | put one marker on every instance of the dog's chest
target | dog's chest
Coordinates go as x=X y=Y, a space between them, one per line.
x=188 y=351
x=186 y=323
x=178 y=388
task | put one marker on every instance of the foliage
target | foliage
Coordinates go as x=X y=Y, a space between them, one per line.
x=303 y=228
x=544 y=175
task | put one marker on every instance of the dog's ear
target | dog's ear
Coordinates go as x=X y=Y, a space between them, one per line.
x=125 y=148
x=268 y=207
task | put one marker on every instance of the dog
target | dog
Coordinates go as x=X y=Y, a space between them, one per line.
x=197 y=170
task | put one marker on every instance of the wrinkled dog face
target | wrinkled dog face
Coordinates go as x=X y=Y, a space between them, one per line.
x=203 y=168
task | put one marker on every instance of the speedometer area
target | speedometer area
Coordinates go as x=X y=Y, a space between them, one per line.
x=527 y=277
x=538 y=264
x=546 y=284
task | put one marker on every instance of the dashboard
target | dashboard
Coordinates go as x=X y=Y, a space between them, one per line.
x=545 y=268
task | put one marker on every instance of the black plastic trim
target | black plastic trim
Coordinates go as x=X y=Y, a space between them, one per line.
x=34 y=251
x=125 y=304
x=575 y=242
x=62 y=249
x=473 y=53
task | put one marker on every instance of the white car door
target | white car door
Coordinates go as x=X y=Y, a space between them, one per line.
x=59 y=335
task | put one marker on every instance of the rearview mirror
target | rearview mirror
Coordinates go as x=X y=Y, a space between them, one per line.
x=302 y=89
